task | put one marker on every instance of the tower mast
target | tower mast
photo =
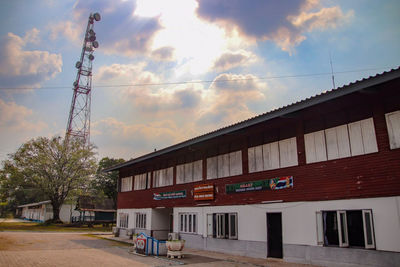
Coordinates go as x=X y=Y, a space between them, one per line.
x=79 y=115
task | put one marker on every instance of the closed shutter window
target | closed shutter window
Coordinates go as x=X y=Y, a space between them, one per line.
x=393 y=128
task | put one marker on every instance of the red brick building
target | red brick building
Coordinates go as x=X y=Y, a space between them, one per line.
x=317 y=181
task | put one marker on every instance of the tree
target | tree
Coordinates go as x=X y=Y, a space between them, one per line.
x=106 y=183
x=53 y=166
x=15 y=190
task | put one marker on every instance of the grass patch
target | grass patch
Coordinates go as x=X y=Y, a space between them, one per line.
x=42 y=227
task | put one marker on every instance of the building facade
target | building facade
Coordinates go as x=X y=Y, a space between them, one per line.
x=317 y=181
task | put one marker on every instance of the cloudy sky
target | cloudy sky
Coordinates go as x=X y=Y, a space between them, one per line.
x=193 y=66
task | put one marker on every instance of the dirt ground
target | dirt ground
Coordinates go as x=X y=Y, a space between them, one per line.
x=74 y=249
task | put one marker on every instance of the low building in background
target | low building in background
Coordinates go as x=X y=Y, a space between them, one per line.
x=317 y=181
x=94 y=210
x=43 y=211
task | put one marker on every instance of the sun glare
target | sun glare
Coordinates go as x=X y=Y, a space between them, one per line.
x=197 y=44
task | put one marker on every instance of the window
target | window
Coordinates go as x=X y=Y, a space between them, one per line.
x=224 y=165
x=393 y=127
x=345 y=228
x=353 y=139
x=163 y=177
x=188 y=222
x=140 y=220
x=222 y=225
x=123 y=220
x=126 y=184
x=274 y=155
x=189 y=172
x=142 y=181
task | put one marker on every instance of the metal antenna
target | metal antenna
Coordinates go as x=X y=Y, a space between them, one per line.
x=79 y=115
x=333 y=77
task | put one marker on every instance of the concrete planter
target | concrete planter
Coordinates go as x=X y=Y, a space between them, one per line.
x=175 y=245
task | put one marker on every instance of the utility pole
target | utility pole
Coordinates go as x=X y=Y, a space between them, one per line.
x=79 y=115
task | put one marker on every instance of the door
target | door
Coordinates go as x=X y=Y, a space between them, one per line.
x=171 y=222
x=274 y=235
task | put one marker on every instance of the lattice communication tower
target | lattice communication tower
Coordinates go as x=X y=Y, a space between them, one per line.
x=79 y=115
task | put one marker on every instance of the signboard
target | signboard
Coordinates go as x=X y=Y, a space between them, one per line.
x=141 y=244
x=169 y=195
x=203 y=192
x=269 y=184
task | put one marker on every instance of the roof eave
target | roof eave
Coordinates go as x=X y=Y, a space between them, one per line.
x=314 y=100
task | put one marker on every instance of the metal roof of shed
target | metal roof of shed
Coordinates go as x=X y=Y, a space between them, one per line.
x=34 y=204
x=308 y=102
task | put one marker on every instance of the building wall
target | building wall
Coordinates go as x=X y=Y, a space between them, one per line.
x=370 y=181
x=326 y=180
x=132 y=220
x=299 y=231
x=299 y=219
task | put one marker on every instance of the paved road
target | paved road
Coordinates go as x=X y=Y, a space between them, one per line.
x=72 y=249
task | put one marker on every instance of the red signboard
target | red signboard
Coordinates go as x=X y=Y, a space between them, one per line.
x=141 y=244
x=203 y=192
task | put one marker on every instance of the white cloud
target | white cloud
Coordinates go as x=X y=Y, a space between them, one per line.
x=323 y=19
x=68 y=29
x=117 y=138
x=230 y=98
x=17 y=118
x=126 y=74
x=19 y=67
x=231 y=60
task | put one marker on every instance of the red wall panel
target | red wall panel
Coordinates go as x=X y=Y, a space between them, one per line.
x=371 y=175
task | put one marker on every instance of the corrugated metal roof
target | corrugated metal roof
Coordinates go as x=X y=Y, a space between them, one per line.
x=89 y=203
x=34 y=204
x=308 y=102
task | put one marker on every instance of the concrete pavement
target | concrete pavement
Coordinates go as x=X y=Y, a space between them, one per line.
x=74 y=249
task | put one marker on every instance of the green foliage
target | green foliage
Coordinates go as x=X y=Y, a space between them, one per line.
x=15 y=190
x=105 y=183
x=50 y=167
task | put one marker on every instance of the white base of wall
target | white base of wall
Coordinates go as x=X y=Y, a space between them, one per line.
x=253 y=249
x=334 y=256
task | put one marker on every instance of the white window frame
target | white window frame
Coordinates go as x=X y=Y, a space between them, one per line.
x=140 y=220
x=342 y=228
x=142 y=181
x=126 y=184
x=220 y=230
x=188 y=222
x=320 y=228
x=163 y=177
x=220 y=220
x=123 y=220
x=341 y=221
x=368 y=224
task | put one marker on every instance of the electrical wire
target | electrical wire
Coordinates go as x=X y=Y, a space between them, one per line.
x=202 y=81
